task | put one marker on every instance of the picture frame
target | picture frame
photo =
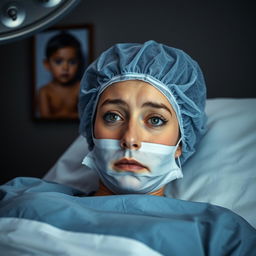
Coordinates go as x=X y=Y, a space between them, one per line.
x=60 y=56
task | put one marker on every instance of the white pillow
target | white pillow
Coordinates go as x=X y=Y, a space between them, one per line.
x=69 y=170
x=223 y=170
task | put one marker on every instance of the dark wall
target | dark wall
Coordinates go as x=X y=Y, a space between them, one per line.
x=220 y=35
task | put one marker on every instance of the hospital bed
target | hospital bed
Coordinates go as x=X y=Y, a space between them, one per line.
x=40 y=217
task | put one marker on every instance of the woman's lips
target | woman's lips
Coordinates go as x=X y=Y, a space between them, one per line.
x=129 y=165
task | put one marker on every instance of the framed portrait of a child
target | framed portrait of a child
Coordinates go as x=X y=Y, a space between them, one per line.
x=60 y=56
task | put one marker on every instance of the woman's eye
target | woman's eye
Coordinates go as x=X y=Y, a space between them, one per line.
x=111 y=117
x=156 y=121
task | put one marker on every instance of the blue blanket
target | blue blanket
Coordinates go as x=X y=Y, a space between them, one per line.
x=169 y=226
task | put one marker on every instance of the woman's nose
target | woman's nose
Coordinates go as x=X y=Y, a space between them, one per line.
x=131 y=138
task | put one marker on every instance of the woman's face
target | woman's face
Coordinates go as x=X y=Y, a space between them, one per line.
x=133 y=112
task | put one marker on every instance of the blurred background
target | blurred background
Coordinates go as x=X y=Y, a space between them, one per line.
x=220 y=35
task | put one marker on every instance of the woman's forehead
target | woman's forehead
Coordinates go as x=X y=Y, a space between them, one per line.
x=132 y=90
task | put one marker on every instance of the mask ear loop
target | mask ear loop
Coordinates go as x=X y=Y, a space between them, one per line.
x=177 y=159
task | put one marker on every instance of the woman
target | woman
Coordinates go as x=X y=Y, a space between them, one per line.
x=142 y=113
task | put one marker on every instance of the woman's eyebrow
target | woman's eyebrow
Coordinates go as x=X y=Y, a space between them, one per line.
x=115 y=102
x=156 y=105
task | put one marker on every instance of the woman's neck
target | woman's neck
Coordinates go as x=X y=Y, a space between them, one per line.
x=104 y=191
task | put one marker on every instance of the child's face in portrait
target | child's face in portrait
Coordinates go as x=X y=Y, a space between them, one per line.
x=63 y=64
x=134 y=112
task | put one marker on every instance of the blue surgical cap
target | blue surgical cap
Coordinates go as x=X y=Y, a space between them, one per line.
x=170 y=70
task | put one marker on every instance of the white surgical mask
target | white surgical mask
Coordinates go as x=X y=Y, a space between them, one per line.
x=160 y=160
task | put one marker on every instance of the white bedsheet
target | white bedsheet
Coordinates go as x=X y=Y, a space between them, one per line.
x=20 y=237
